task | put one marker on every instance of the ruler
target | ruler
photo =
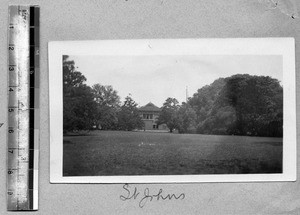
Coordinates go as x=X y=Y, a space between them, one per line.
x=23 y=108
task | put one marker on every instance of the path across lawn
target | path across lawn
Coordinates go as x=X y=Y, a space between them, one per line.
x=148 y=153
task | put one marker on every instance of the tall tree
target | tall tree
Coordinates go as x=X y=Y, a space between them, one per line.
x=108 y=104
x=128 y=116
x=186 y=118
x=78 y=99
x=71 y=77
x=169 y=114
x=203 y=100
x=240 y=105
x=258 y=102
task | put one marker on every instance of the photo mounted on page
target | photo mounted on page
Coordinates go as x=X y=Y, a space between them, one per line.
x=172 y=114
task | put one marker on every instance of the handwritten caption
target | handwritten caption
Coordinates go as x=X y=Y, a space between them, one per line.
x=147 y=195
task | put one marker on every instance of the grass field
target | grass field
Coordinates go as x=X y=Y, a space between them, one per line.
x=148 y=153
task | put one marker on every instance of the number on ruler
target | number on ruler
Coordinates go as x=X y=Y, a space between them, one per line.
x=11 y=151
x=11 y=48
x=10 y=172
x=24 y=14
x=11 y=68
x=10 y=110
x=11 y=89
x=10 y=192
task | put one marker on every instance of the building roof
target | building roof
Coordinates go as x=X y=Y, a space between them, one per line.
x=149 y=107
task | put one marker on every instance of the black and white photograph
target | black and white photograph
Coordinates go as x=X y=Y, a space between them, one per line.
x=172 y=111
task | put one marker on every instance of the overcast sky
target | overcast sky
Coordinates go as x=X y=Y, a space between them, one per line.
x=155 y=78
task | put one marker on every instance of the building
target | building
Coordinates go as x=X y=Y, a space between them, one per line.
x=149 y=114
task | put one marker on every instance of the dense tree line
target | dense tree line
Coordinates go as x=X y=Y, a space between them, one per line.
x=237 y=105
x=96 y=107
x=240 y=105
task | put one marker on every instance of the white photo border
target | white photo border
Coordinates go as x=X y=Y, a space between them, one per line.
x=229 y=46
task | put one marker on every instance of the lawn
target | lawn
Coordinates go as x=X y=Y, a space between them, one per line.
x=148 y=153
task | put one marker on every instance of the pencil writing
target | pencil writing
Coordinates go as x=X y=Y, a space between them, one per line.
x=148 y=196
